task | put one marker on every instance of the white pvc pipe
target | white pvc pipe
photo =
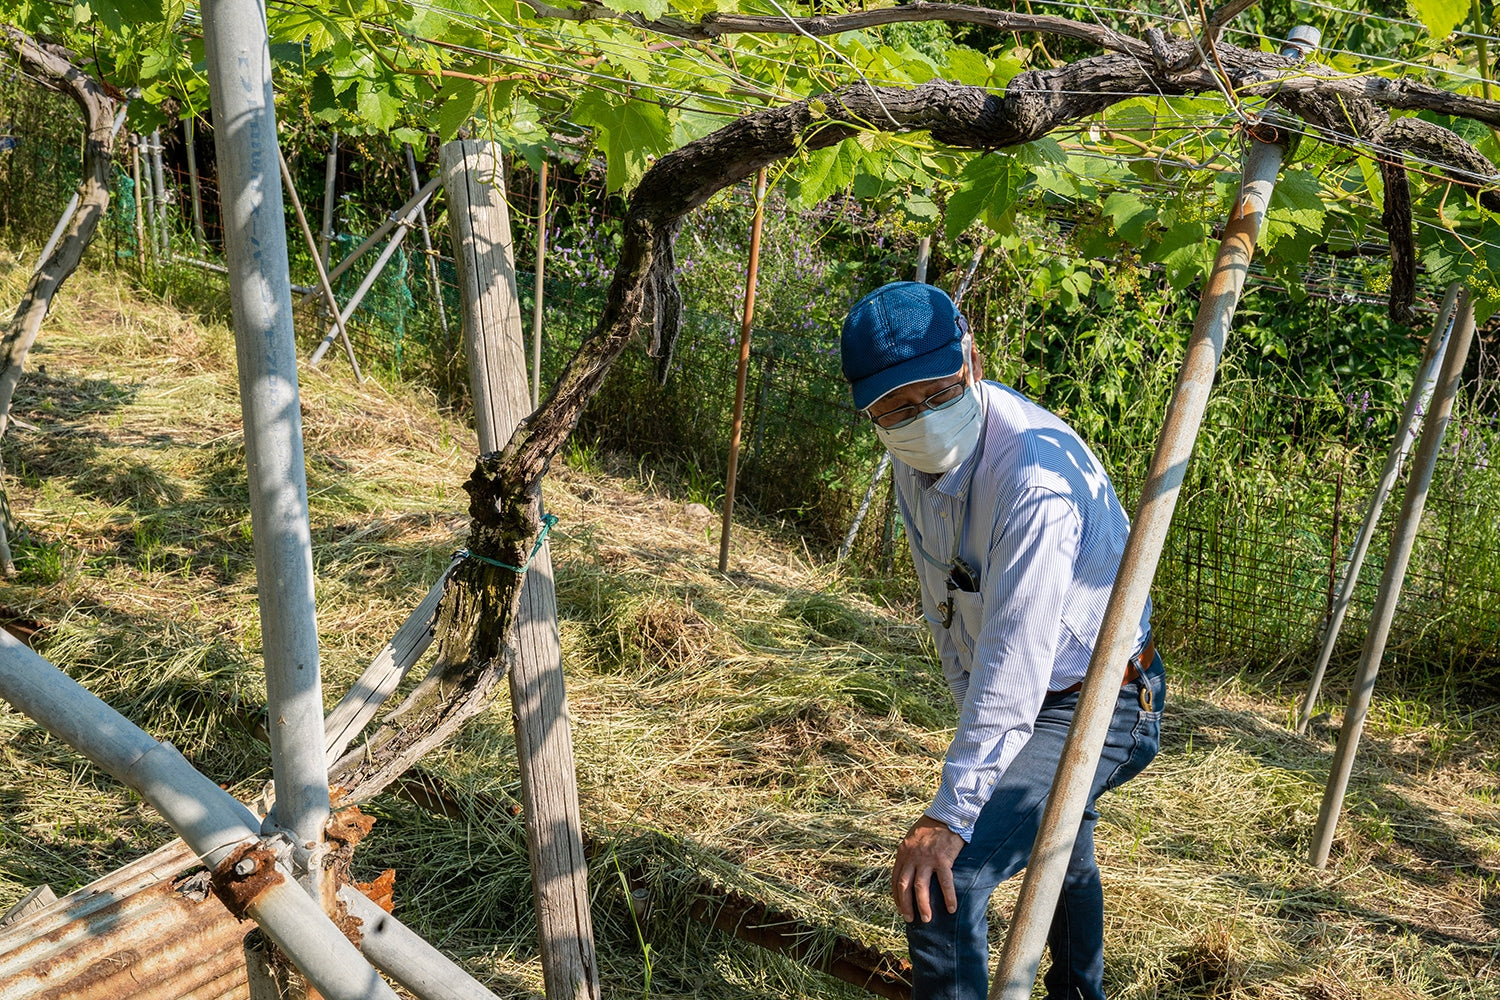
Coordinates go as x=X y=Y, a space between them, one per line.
x=239 y=73
x=406 y=957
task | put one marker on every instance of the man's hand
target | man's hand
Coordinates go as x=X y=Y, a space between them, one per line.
x=929 y=848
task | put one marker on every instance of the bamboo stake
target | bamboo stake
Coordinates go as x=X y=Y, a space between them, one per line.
x=333 y=303
x=239 y=72
x=1127 y=600
x=1434 y=425
x=1416 y=401
x=744 y=366
x=140 y=210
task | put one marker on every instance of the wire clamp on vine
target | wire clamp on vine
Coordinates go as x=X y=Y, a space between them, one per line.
x=548 y=520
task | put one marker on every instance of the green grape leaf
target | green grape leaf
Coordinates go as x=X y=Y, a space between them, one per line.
x=1130 y=216
x=1297 y=201
x=989 y=185
x=827 y=170
x=1184 y=254
x=964 y=65
x=1440 y=16
x=629 y=131
x=378 y=105
x=458 y=108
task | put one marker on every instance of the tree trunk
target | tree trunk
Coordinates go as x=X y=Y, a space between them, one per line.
x=98 y=109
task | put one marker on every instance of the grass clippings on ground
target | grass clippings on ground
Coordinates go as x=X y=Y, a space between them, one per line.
x=769 y=731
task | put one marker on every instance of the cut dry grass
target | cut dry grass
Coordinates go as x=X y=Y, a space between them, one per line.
x=769 y=731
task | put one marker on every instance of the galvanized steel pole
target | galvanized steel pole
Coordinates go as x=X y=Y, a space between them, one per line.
x=159 y=185
x=239 y=73
x=1434 y=425
x=330 y=176
x=744 y=366
x=1416 y=403
x=1148 y=531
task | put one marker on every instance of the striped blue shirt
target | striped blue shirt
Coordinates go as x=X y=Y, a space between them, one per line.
x=1034 y=513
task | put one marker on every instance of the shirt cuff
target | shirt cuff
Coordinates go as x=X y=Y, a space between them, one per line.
x=945 y=810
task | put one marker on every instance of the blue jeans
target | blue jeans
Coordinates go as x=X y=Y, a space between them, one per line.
x=950 y=953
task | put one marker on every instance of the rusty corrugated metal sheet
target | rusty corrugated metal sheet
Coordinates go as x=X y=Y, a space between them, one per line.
x=132 y=934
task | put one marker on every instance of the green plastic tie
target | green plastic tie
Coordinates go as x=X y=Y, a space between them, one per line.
x=548 y=520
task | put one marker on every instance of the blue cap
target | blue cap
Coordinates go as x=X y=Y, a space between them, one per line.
x=900 y=333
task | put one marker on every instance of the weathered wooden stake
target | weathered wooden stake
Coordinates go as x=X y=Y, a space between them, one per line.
x=480 y=225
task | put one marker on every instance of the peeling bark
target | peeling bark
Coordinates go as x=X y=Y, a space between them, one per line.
x=52 y=65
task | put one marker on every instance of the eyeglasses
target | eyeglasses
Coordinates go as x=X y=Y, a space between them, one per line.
x=903 y=415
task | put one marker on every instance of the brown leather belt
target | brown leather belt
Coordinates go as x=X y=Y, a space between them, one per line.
x=1137 y=667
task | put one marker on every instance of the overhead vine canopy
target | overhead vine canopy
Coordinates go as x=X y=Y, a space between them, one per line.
x=1127 y=122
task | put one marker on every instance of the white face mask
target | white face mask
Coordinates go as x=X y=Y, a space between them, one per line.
x=938 y=440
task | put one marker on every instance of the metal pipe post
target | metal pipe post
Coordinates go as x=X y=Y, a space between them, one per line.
x=433 y=278
x=864 y=508
x=406 y=957
x=307 y=236
x=159 y=185
x=148 y=198
x=744 y=366
x=364 y=288
x=244 y=117
x=1434 y=425
x=1148 y=533
x=330 y=175
x=1416 y=404
x=195 y=188
x=539 y=286
x=924 y=254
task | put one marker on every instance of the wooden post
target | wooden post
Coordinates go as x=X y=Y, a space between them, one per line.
x=480 y=224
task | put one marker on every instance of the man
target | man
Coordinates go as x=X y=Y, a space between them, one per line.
x=1016 y=534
